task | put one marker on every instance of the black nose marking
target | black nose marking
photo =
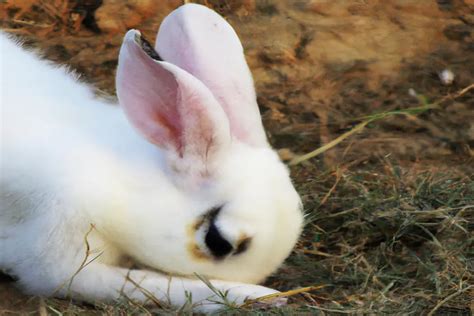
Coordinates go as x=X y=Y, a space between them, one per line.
x=217 y=244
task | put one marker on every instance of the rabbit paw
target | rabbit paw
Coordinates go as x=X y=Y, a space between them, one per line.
x=243 y=295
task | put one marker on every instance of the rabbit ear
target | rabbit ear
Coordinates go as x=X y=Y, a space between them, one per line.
x=169 y=106
x=201 y=42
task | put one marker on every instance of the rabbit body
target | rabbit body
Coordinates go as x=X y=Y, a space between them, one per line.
x=85 y=184
x=60 y=149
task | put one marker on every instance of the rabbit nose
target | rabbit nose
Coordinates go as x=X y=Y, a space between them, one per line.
x=218 y=245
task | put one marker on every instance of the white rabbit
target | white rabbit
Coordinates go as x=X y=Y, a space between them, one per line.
x=192 y=187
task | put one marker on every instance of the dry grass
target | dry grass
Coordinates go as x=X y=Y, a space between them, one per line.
x=388 y=239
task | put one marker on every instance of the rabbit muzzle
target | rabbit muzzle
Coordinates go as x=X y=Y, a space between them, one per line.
x=211 y=242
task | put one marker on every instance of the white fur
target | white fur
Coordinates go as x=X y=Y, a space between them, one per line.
x=69 y=161
x=204 y=44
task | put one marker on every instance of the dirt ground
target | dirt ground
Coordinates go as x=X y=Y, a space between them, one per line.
x=390 y=209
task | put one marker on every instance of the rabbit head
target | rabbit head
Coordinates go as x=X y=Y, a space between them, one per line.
x=193 y=97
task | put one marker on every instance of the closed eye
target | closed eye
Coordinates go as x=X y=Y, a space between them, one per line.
x=242 y=246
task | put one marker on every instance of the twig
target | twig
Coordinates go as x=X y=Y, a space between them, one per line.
x=457 y=94
x=328 y=194
x=84 y=262
x=317 y=253
x=329 y=145
x=447 y=298
x=284 y=294
x=375 y=117
x=440 y=210
x=54 y=310
x=42 y=308
x=31 y=23
x=341 y=311
x=354 y=209
x=149 y=295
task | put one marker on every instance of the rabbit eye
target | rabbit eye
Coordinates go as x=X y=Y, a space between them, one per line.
x=243 y=246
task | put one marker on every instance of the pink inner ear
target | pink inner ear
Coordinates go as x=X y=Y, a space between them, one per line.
x=201 y=42
x=148 y=95
x=167 y=105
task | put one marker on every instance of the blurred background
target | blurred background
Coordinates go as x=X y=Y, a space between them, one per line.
x=390 y=208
